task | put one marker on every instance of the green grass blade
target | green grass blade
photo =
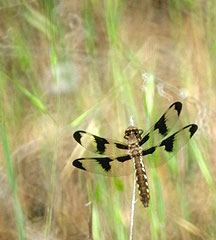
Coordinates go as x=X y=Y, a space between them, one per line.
x=20 y=222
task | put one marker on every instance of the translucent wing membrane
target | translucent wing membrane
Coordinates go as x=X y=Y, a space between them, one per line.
x=119 y=166
x=163 y=126
x=172 y=144
x=100 y=145
x=118 y=162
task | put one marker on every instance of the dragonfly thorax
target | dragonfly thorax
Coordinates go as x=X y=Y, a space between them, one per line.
x=132 y=134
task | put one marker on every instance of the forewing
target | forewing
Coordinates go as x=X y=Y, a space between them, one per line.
x=100 y=145
x=119 y=166
x=164 y=125
x=172 y=144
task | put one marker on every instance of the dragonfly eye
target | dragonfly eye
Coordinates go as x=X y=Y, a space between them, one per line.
x=126 y=134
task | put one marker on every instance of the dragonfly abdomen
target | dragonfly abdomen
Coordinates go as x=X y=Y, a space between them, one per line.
x=142 y=180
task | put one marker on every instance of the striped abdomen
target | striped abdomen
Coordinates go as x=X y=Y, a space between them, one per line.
x=142 y=180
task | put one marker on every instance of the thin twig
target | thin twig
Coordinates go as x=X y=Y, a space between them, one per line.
x=132 y=209
x=89 y=205
x=131 y=121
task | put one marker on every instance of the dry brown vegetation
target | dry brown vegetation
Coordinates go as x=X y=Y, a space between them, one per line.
x=71 y=45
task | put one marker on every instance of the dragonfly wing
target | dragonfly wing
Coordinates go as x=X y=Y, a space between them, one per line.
x=119 y=166
x=164 y=125
x=172 y=144
x=100 y=145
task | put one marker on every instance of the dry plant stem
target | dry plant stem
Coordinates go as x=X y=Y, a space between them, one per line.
x=133 y=208
x=89 y=205
x=131 y=121
x=133 y=198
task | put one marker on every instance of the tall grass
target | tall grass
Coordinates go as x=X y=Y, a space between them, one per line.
x=69 y=65
x=18 y=214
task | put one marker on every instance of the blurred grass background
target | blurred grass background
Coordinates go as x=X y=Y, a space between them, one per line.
x=69 y=65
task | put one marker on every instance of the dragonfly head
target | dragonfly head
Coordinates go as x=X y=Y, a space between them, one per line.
x=132 y=132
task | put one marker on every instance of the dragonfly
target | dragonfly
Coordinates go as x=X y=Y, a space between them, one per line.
x=113 y=157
